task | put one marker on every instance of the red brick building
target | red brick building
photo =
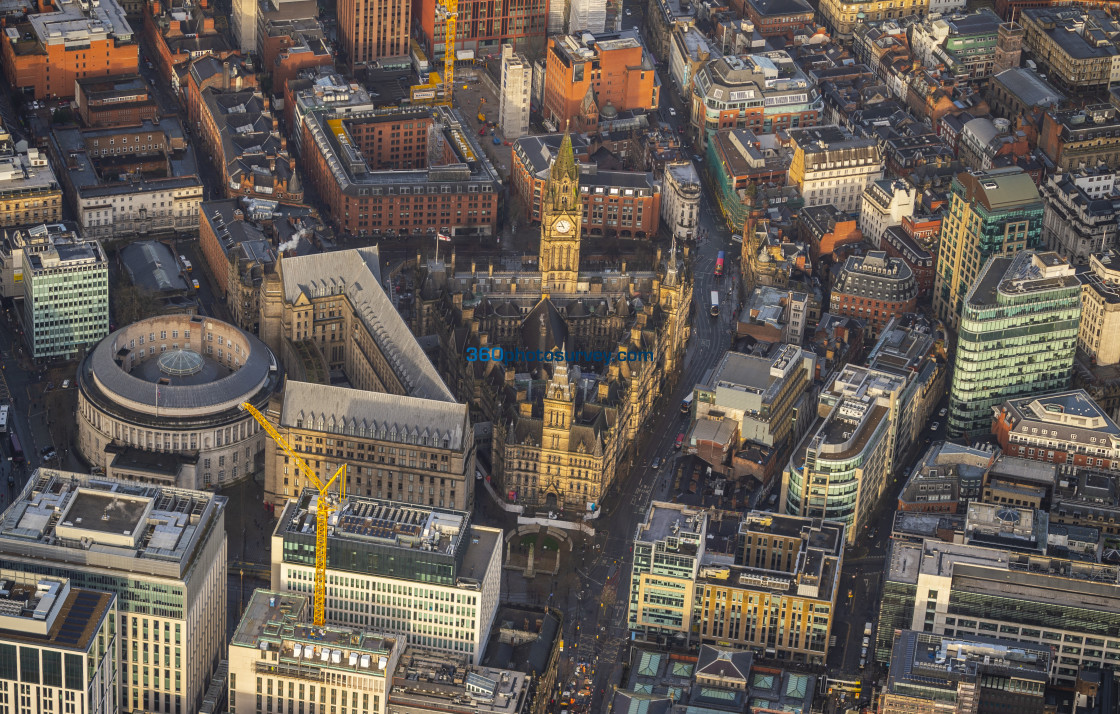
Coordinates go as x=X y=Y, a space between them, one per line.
x=826 y=228
x=615 y=203
x=44 y=56
x=345 y=159
x=485 y=26
x=241 y=136
x=228 y=75
x=181 y=33
x=373 y=29
x=873 y=288
x=582 y=77
x=121 y=100
x=1061 y=428
x=778 y=17
x=899 y=244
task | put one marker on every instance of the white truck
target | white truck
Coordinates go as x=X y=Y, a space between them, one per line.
x=715 y=303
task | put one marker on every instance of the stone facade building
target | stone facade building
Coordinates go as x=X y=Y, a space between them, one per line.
x=1082 y=213
x=562 y=432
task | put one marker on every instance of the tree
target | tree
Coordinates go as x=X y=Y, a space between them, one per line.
x=131 y=303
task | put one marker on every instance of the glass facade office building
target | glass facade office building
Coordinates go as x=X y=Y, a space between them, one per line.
x=1018 y=336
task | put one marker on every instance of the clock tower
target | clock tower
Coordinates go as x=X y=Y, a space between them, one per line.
x=561 y=216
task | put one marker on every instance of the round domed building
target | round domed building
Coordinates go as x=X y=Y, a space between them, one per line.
x=159 y=400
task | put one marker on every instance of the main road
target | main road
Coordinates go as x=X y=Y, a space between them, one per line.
x=597 y=632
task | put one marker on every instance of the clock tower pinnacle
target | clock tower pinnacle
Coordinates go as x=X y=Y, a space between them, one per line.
x=561 y=219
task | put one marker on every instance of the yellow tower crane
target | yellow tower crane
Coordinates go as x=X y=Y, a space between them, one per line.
x=428 y=93
x=327 y=504
x=451 y=17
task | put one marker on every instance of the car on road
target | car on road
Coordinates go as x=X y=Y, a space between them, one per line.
x=935 y=426
x=672 y=111
x=628 y=13
x=66 y=384
x=194 y=282
x=680 y=442
x=656 y=463
x=48 y=453
x=943 y=412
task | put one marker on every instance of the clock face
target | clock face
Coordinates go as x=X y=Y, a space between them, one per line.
x=563 y=225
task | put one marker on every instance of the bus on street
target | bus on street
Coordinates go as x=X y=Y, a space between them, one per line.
x=4 y=419
x=17 y=450
x=719 y=265
x=715 y=303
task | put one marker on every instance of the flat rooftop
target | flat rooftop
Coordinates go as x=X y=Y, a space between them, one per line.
x=47 y=612
x=129 y=526
x=663 y=517
x=427 y=681
x=278 y=622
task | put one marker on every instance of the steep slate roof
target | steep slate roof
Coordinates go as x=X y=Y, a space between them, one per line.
x=407 y=420
x=356 y=274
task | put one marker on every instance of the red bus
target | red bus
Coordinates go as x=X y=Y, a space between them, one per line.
x=17 y=450
x=719 y=264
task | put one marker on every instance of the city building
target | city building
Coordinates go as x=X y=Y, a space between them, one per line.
x=947 y=476
x=1087 y=498
x=118 y=100
x=1082 y=213
x=52 y=623
x=1036 y=294
x=179 y=31
x=842 y=17
x=159 y=400
x=963 y=43
x=964 y=591
x=1020 y=91
x=1075 y=48
x=129 y=180
x=826 y=229
x=912 y=346
x=778 y=17
x=426 y=575
x=77 y=40
x=587 y=16
x=941 y=674
x=513 y=100
x=1098 y=336
x=1082 y=137
x=563 y=446
x=680 y=199
x=623 y=203
x=668 y=547
x=529 y=639
x=293 y=42
x=885 y=203
x=585 y=74
x=772 y=315
x=232 y=74
x=778 y=597
x=843 y=465
x=426 y=682
x=29 y=192
x=65 y=280
x=483 y=28
x=355 y=664
x=873 y=288
x=161 y=551
x=762 y=92
x=154 y=267
x=437 y=467
x=990 y=212
x=689 y=52
x=918 y=254
x=766 y=397
x=241 y=136
x=365 y=337
x=380 y=29
x=344 y=156
x=1060 y=427
x=832 y=166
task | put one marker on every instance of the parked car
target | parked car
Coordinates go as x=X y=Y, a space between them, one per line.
x=66 y=384
x=935 y=426
x=943 y=412
x=680 y=442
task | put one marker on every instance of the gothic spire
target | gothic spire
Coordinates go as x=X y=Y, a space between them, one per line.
x=671 y=268
x=565 y=164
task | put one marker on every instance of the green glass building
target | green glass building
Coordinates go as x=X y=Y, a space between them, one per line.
x=990 y=213
x=1017 y=336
